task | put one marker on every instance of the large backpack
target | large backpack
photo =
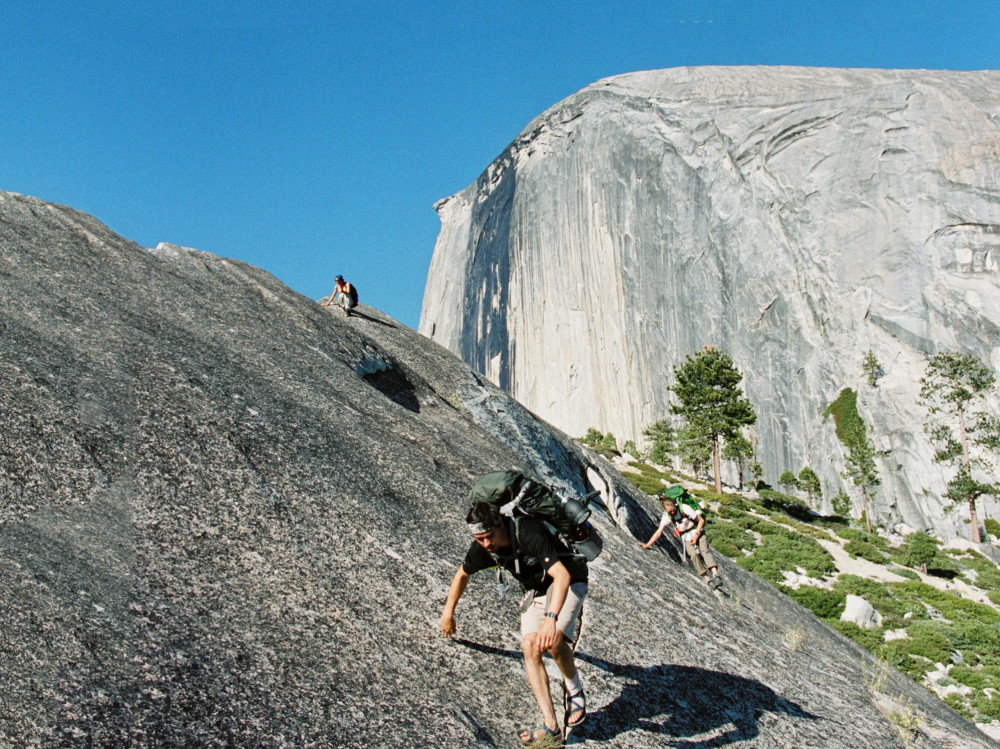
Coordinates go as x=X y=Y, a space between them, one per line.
x=516 y=495
x=680 y=495
x=352 y=292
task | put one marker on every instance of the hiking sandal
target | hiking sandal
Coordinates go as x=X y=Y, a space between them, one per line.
x=533 y=734
x=575 y=703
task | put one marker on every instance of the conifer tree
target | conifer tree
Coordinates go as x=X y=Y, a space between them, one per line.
x=662 y=440
x=809 y=483
x=711 y=402
x=787 y=478
x=955 y=387
x=860 y=464
x=872 y=368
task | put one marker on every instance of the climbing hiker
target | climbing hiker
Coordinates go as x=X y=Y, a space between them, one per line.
x=682 y=511
x=348 y=295
x=555 y=584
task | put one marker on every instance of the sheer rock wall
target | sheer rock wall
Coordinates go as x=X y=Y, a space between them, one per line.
x=794 y=218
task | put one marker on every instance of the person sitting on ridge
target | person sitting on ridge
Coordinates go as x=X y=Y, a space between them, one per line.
x=688 y=520
x=348 y=295
x=556 y=584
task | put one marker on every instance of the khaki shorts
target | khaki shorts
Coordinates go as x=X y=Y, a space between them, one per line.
x=533 y=612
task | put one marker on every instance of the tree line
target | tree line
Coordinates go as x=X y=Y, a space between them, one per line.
x=715 y=420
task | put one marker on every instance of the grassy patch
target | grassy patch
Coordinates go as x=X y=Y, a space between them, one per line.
x=782 y=549
x=867 y=551
x=645 y=483
x=843 y=410
x=730 y=539
x=870 y=639
x=826 y=604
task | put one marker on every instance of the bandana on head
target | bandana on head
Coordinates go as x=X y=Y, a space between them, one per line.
x=477 y=528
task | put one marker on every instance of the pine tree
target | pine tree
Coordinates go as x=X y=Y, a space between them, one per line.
x=955 y=387
x=860 y=464
x=872 y=368
x=711 y=401
x=787 y=479
x=662 y=440
x=809 y=483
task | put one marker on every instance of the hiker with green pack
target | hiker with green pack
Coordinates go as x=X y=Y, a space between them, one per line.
x=688 y=517
x=521 y=527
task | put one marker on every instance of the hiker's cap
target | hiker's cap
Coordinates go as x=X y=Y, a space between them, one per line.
x=338 y=278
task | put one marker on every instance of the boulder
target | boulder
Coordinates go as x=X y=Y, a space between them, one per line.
x=860 y=612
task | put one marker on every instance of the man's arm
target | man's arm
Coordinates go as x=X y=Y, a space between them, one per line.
x=659 y=532
x=455 y=592
x=698 y=531
x=557 y=597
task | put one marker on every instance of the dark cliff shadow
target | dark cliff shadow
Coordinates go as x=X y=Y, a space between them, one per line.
x=676 y=702
x=394 y=385
x=682 y=702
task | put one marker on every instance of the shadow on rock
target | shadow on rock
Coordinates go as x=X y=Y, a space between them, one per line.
x=683 y=702
x=690 y=707
x=355 y=313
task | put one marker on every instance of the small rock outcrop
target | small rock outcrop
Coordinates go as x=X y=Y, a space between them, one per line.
x=859 y=611
x=228 y=517
x=795 y=218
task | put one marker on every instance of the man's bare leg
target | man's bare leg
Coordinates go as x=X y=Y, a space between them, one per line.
x=538 y=678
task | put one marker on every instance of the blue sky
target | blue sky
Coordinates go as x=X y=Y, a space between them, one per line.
x=313 y=138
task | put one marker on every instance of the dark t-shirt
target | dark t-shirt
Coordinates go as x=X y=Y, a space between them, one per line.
x=530 y=557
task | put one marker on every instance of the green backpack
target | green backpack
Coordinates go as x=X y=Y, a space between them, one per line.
x=680 y=495
x=517 y=495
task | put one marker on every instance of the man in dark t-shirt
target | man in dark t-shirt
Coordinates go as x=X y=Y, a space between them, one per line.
x=555 y=582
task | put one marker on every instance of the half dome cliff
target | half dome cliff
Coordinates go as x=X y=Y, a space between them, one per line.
x=794 y=218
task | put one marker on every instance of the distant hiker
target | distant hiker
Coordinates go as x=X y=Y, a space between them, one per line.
x=348 y=295
x=682 y=511
x=555 y=582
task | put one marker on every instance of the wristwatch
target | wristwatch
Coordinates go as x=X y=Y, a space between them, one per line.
x=551 y=615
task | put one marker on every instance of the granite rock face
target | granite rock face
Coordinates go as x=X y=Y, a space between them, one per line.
x=794 y=218
x=228 y=517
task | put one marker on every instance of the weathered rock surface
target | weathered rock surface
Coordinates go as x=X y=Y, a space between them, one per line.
x=228 y=517
x=859 y=611
x=794 y=218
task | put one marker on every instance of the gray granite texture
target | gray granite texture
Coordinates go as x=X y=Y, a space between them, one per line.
x=795 y=218
x=228 y=518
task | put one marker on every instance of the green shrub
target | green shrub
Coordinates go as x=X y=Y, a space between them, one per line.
x=871 y=640
x=646 y=484
x=993 y=528
x=951 y=605
x=732 y=500
x=960 y=705
x=987 y=574
x=729 y=511
x=826 y=604
x=856 y=534
x=904 y=572
x=994 y=595
x=977 y=678
x=891 y=606
x=987 y=706
x=729 y=539
x=781 y=549
x=865 y=550
x=931 y=640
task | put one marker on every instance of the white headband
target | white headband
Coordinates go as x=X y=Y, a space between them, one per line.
x=477 y=528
